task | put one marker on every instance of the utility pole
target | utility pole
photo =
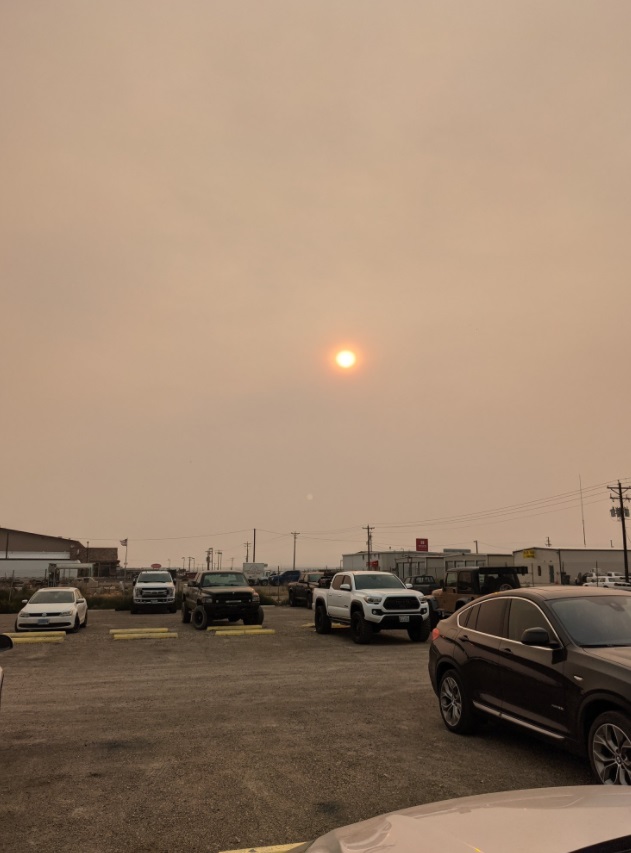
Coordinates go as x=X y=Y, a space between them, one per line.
x=295 y=535
x=368 y=530
x=209 y=559
x=254 y=547
x=476 y=545
x=219 y=556
x=247 y=552
x=621 y=512
x=580 y=486
x=548 y=543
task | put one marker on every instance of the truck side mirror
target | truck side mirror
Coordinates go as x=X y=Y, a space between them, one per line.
x=345 y=586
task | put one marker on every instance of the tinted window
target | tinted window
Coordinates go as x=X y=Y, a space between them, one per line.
x=524 y=615
x=491 y=617
x=599 y=621
x=465 y=582
x=338 y=581
x=451 y=579
x=465 y=617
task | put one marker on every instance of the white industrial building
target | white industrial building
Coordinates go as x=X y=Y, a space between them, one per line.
x=563 y=565
x=408 y=563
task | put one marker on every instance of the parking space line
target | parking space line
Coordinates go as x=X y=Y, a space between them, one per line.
x=137 y=636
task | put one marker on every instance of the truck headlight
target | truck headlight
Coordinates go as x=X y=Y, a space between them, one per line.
x=256 y=598
x=373 y=599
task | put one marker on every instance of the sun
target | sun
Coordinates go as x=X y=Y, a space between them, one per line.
x=346 y=358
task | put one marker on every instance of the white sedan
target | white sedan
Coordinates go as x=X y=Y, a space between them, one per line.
x=585 y=819
x=57 y=608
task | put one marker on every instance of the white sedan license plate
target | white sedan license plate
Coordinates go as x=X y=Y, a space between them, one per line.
x=404 y=618
x=42 y=621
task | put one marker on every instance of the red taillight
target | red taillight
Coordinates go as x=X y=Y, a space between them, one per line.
x=435 y=633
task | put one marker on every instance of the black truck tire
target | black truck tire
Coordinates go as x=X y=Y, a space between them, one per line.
x=322 y=621
x=419 y=632
x=360 y=629
x=200 y=618
x=186 y=613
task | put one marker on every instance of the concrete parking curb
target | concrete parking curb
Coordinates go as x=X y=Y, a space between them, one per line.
x=254 y=629
x=276 y=848
x=244 y=633
x=138 y=636
x=18 y=641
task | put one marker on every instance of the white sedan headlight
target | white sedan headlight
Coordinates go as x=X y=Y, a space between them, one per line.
x=67 y=613
x=24 y=614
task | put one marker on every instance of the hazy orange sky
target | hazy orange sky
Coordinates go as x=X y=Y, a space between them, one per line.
x=202 y=201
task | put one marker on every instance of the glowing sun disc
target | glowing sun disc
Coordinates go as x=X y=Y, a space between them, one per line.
x=346 y=358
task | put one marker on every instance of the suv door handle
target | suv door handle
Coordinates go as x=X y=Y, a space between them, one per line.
x=508 y=650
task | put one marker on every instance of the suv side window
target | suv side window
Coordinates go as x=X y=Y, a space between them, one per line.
x=451 y=579
x=465 y=582
x=491 y=617
x=524 y=615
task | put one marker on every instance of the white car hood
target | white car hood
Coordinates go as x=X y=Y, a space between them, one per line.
x=545 y=820
x=52 y=607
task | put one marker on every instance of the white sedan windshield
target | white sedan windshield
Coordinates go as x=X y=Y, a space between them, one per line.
x=52 y=596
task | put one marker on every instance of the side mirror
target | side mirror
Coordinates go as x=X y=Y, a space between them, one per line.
x=6 y=643
x=537 y=637
x=192 y=583
x=345 y=586
x=81 y=601
x=25 y=601
x=409 y=586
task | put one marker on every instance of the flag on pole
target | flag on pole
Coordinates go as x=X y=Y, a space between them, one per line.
x=124 y=543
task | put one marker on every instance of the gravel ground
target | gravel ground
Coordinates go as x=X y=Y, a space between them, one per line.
x=205 y=744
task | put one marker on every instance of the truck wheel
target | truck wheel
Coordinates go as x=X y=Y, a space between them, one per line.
x=186 y=613
x=233 y=618
x=309 y=601
x=132 y=609
x=322 y=621
x=291 y=599
x=420 y=632
x=260 y=616
x=173 y=609
x=360 y=629
x=200 y=618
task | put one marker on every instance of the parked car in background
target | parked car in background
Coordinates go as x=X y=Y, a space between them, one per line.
x=153 y=589
x=6 y=643
x=423 y=583
x=57 y=608
x=369 y=602
x=220 y=595
x=283 y=578
x=301 y=590
x=464 y=585
x=554 y=661
x=581 y=819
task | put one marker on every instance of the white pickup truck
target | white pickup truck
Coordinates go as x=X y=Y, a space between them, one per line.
x=368 y=602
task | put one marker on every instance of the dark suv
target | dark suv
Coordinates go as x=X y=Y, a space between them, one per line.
x=555 y=661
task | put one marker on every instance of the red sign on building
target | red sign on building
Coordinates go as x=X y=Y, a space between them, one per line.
x=422 y=545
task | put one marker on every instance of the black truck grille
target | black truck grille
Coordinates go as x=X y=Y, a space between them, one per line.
x=232 y=597
x=154 y=593
x=403 y=602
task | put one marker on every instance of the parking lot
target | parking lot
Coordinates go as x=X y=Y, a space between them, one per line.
x=208 y=743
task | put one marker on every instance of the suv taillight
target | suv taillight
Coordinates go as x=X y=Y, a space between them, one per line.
x=435 y=633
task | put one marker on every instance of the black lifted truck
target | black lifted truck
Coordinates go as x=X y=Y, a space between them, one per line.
x=463 y=585
x=220 y=595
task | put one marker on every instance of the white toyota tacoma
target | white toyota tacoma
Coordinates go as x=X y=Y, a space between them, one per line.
x=370 y=601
